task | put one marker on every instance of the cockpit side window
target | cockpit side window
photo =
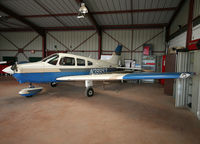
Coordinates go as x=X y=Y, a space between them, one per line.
x=89 y=63
x=67 y=61
x=80 y=62
x=53 y=60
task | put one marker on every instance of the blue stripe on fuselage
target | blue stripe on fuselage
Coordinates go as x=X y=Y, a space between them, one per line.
x=45 y=77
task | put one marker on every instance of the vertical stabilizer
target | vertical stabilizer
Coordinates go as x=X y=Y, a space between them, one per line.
x=116 y=55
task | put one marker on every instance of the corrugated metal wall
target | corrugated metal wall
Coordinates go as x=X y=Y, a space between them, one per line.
x=195 y=83
x=111 y=38
x=74 y=40
x=187 y=91
x=133 y=39
x=196 y=32
x=20 y=40
x=196 y=11
x=179 y=41
x=181 y=18
x=84 y=42
x=180 y=87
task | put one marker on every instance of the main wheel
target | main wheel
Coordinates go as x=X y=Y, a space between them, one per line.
x=89 y=92
x=53 y=84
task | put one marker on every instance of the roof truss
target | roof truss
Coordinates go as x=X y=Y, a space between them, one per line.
x=22 y=19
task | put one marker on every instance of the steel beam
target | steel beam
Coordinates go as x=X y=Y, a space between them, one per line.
x=189 y=24
x=83 y=42
x=99 y=45
x=176 y=12
x=103 y=12
x=103 y=27
x=135 y=11
x=44 y=45
x=48 y=11
x=134 y=26
x=178 y=8
x=13 y=14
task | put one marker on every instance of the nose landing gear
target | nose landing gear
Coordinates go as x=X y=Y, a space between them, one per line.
x=30 y=91
x=53 y=84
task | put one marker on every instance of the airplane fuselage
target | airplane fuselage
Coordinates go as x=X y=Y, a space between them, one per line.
x=59 y=65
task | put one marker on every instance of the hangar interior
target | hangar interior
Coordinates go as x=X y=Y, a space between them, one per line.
x=33 y=29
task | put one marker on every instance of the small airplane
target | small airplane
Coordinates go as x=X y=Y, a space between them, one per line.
x=62 y=67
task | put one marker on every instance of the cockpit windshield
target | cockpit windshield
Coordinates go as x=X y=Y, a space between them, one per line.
x=46 y=59
x=52 y=59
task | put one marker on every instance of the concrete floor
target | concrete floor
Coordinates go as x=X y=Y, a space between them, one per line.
x=119 y=114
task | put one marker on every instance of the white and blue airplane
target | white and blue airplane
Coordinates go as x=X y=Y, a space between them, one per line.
x=61 y=67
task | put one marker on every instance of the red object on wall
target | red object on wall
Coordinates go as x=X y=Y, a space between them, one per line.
x=146 y=50
x=162 y=81
x=193 y=45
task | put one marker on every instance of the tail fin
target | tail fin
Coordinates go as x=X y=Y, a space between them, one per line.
x=118 y=50
x=116 y=55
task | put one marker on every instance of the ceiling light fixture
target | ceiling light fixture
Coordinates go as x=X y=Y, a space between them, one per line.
x=82 y=11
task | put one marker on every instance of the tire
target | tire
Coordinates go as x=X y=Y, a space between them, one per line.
x=53 y=84
x=89 y=92
x=29 y=96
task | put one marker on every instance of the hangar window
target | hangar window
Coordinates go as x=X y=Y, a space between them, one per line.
x=67 y=61
x=89 y=63
x=80 y=62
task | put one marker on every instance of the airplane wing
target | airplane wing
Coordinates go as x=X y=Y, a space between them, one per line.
x=126 y=76
x=125 y=68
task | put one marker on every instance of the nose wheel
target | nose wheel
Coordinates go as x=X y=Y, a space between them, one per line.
x=53 y=84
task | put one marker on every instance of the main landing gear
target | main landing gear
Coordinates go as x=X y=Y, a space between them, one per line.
x=89 y=90
x=53 y=84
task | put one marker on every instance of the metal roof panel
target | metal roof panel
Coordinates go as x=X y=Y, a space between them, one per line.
x=114 y=19
x=112 y=5
x=74 y=21
x=29 y=7
x=46 y=22
x=23 y=7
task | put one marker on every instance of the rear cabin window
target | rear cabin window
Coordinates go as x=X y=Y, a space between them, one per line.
x=80 y=62
x=67 y=61
x=89 y=63
x=53 y=60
